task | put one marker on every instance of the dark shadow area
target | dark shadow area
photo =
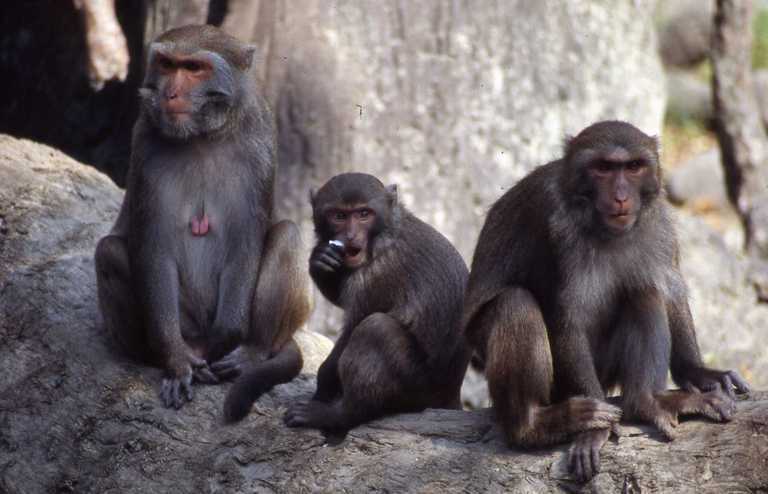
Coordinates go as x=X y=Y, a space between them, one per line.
x=47 y=96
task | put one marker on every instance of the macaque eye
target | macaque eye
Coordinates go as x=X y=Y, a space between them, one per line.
x=339 y=216
x=192 y=66
x=366 y=214
x=635 y=166
x=164 y=63
x=602 y=168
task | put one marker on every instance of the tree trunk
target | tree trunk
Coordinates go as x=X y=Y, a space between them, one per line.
x=740 y=131
x=163 y=15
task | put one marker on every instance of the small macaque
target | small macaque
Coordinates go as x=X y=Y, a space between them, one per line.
x=401 y=285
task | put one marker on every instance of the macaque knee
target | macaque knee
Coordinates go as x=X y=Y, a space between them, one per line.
x=376 y=360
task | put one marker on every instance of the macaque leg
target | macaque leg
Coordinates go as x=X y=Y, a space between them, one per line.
x=519 y=369
x=380 y=374
x=281 y=306
x=116 y=300
x=641 y=348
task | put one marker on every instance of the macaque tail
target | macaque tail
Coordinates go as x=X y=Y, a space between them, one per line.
x=282 y=367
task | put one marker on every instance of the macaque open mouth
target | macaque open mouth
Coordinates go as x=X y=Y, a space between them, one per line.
x=352 y=251
x=353 y=255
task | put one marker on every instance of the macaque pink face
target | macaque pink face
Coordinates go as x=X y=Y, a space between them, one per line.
x=351 y=225
x=179 y=77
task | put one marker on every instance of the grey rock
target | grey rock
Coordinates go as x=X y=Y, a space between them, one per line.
x=77 y=417
x=688 y=97
x=699 y=181
x=730 y=323
x=474 y=390
x=685 y=28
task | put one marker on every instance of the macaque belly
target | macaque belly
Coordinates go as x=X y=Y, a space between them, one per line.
x=202 y=247
x=207 y=210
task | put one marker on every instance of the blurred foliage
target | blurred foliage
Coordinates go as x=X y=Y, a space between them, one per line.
x=704 y=71
x=683 y=136
x=760 y=41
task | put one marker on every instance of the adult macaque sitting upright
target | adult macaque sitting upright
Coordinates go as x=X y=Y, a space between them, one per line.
x=576 y=290
x=401 y=285
x=194 y=267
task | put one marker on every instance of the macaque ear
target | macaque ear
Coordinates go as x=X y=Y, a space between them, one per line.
x=392 y=194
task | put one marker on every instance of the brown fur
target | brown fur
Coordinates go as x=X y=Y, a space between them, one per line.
x=217 y=304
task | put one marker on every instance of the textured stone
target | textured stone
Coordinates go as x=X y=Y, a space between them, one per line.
x=699 y=182
x=730 y=323
x=685 y=30
x=688 y=97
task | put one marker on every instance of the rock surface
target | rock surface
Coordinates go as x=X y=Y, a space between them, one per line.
x=729 y=322
x=699 y=182
x=689 y=97
x=75 y=416
x=685 y=29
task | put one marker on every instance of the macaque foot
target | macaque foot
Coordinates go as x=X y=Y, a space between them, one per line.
x=233 y=364
x=584 y=454
x=715 y=405
x=230 y=365
x=703 y=380
x=177 y=387
x=175 y=391
x=314 y=414
x=593 y=413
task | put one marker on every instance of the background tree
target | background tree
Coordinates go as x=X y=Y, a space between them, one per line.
x=739 y=127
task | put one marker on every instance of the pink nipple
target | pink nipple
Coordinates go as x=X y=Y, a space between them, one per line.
x=200 y=226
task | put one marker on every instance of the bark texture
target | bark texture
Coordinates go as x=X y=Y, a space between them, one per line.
x=738 y=122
